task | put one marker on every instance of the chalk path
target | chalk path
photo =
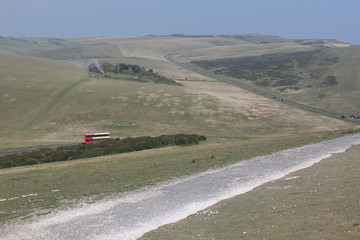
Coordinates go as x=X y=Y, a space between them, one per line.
x=135 y=213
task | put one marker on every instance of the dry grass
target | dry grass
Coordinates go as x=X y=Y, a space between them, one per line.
x=28 y=85
x=214 y=109
x=257 y=110
x=64 y=107
x=68 y=104
x=238 y=50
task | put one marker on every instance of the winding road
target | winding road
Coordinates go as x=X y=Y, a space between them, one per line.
x=130 y=215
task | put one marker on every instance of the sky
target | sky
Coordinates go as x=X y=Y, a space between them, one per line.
x=318 y=19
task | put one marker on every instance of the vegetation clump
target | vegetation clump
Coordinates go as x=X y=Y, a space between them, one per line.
x=135 y=73
x=107 y=147
x=277 y=70
x=329 y=81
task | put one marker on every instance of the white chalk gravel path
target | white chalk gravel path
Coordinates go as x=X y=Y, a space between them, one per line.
x=132 y=214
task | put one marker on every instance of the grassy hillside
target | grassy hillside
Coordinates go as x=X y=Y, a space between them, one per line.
x=325 y=78
x=47 y=96
x=317 y=203
x=29 y=88
x=38 y=189
x=67 y=108
x=58 y=102
x=29 y=46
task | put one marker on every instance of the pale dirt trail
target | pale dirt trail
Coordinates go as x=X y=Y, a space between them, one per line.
x=132 y=214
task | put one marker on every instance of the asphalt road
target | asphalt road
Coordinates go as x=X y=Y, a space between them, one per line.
x=130 y=215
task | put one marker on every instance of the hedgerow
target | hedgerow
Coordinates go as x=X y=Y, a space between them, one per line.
x=106 y=147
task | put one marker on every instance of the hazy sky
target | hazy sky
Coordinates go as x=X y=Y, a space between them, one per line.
x=335 y=19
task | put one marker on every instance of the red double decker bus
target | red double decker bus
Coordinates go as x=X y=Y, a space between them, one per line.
x=95 y=137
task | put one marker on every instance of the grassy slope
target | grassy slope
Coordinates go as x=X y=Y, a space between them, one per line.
x=29 y=88
x=24 y=46
x=55 y=184
x=128 y=108
x=150 y=52
x=321 y=202
x=52 y=95
x=348 y=73
x=340 y=98
x=67 y=104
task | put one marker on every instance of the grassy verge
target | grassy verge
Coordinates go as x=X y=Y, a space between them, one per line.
x=40 y=188
x=321 y=202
